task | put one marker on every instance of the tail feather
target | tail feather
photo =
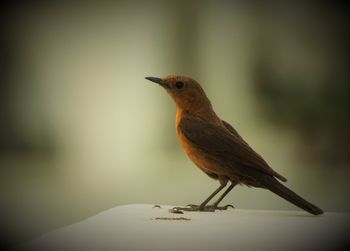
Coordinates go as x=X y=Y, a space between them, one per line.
x=273 y=185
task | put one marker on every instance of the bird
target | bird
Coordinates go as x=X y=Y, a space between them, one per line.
x=216 y=148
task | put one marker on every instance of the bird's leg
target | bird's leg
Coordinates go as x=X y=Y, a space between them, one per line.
x=216 y=203
x=202 y=206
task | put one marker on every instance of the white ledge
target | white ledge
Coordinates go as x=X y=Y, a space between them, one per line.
x=144 y=227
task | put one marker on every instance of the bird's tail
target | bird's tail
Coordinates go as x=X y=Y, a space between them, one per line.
x=275 y=186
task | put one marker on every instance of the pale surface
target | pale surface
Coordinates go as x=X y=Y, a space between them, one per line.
x=135 y=227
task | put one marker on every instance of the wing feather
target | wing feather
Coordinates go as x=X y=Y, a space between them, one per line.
x=225 y=146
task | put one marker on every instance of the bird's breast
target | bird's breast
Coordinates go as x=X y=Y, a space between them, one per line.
x=192 y=152
x=198 y=157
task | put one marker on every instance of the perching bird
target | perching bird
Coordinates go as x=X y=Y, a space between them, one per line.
x=217 y=149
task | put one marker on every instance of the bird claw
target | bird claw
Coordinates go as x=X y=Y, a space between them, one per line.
x=225 y=207
x=191 y=205
x=176 y=210
x=198 y=208
x=191 y=208
x=212 y=208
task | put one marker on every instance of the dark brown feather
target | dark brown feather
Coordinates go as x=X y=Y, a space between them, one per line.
x=227 y=148
x=274 y=186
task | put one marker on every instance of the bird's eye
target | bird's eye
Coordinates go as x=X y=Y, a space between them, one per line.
x=179 y=85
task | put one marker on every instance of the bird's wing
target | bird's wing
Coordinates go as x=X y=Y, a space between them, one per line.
x=224 y=146
x=233 y=131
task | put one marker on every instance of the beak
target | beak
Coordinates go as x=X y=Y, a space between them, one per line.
x=158 y=81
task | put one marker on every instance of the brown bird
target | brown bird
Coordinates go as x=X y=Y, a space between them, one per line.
x=217 y=149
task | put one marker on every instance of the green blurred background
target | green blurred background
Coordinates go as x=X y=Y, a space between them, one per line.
x=82 y=131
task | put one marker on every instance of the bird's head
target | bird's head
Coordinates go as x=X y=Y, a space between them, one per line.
x=186 y=92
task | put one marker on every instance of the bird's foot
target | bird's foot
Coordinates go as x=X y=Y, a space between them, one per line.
x=223 y=207
x=196 y=208
x=207 y=208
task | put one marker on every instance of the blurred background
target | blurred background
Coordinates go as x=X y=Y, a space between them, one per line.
x=82 y=131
